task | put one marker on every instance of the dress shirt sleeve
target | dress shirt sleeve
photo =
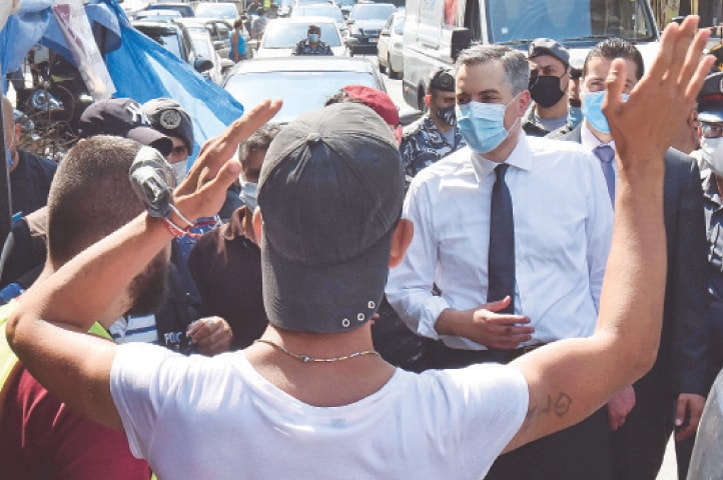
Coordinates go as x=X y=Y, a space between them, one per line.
x=409 y=288
x=599 y=228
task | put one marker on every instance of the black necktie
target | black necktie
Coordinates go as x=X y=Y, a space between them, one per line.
x=606 y=154
x=501 y=261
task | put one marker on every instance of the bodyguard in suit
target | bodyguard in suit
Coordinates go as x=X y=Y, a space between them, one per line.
x=672 y=395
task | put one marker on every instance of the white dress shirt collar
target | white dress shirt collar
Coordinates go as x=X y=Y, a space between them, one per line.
x=590 y=141
x=520 y=157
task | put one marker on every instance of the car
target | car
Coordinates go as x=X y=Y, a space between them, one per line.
x=220 y=31
x=176 y=39
x=157 y=15
x=303 y=83
x=389 y=48
x=365 y=22
x=204 y=48
x=321 y=10
x=185 y=9
x=345 y=6
x=282 y=35
x=225 y=10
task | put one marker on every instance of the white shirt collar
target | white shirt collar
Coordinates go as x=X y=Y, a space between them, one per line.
x=589 y=140
x=520 y=157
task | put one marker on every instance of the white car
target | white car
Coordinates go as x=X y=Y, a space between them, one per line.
x=390 y=46
x=204 y=48
x=321 y=10
x=282 y=35
x=303 y=83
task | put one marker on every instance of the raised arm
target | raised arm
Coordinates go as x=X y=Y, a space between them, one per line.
x=45 y=330
x=570 y=379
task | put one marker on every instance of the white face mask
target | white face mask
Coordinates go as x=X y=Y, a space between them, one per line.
x=712 y=149
x=248 y=194
x=179 y=171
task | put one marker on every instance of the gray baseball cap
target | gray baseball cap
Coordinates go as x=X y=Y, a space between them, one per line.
x=548 y=46
x=331 y=192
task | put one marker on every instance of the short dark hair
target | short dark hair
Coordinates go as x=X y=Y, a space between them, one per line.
x=91 y=195
x=238 y=23
x=259 y=140
x=313 y=28
x=612 y=48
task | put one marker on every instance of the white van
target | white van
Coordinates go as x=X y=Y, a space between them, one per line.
x=436 y=30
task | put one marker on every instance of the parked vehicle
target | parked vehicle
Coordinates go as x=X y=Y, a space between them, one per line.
x=219 y=30
x=204 y=47
x=225 y=10
x=282 y=35
x=303 y=83
x=435 y=32
x=389 y=48
x=175 y=38
x=322 y=10
x=365 y=22
x=185 y=9
x=157 y=15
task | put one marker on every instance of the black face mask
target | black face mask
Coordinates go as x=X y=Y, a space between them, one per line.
x=545 y=90
x=447 y=115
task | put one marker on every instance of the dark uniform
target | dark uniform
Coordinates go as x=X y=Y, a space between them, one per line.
x=305 y=48
x=423 y=144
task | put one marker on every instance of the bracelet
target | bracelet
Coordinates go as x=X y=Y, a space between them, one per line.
x=181 y=216
x=177 y=231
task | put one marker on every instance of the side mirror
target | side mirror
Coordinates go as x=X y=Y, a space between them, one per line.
x=385 y=33
x=202 y=65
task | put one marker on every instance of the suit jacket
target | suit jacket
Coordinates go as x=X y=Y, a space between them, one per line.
x=682 y=361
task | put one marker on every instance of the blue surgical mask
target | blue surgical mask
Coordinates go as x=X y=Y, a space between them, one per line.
x=574 y=116
x=482 y=125
x=248 y=194
x=592 y=110
x=313 y=37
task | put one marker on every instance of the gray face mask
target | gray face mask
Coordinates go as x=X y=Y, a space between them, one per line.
x=179 y=171
x=248 y=194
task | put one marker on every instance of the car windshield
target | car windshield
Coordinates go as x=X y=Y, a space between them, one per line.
x=568 y=21
x=300 y=91
x=371 y=12
x=216 y=10
x=167 y=37
x=318 y=11
x=287 y=35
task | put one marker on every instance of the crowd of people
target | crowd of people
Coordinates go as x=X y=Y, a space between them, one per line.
x=525 y=283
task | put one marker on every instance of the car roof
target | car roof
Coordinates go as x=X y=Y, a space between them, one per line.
x=303 y=64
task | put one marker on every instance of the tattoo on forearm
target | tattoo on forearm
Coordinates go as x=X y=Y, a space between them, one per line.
x=560 y=406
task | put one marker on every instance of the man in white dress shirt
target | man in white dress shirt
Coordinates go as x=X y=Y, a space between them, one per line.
x=562 y=231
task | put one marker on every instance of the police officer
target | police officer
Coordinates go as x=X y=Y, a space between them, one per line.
x=168 y=117
x=435 y=135
x=312 y=44
x=549 y=79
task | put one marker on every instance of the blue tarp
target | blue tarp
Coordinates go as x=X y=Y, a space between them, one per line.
x=140 y=68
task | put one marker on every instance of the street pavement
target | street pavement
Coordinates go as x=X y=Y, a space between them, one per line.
x=394 y=89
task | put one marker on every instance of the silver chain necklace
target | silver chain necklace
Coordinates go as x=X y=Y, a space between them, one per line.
x=310 y=359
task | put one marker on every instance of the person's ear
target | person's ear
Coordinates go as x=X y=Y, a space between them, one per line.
x=693 y=120
x=522 y=102
x=427 y=99
x=258 y=223
x=401 y=238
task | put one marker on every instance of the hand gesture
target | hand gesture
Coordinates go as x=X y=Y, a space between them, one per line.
x=212 y=335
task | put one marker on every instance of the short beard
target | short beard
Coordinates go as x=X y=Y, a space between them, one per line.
x=147 y=289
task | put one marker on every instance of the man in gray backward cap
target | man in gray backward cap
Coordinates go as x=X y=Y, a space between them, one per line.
x=312 y=399
x=549 y=81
